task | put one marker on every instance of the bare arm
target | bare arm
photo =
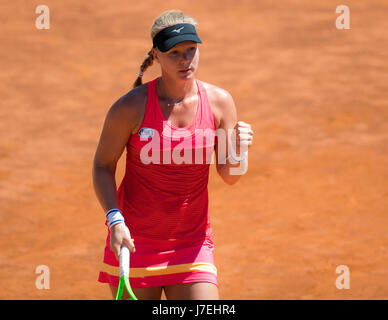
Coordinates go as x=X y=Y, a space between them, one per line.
x=115 y=134
x=120 y=122
x=230 y=172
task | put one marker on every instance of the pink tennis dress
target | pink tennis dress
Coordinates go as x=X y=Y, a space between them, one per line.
x=164 y=199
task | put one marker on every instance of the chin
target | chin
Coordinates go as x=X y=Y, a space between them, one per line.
x=186 y=76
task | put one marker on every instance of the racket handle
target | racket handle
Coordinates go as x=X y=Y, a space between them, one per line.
x=124 y=261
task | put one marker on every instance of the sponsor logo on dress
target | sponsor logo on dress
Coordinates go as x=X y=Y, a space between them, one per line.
x=146 y=132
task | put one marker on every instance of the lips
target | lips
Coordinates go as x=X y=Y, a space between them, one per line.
x=185 y=70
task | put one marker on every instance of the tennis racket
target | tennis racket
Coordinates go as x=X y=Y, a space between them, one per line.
x=124 y=275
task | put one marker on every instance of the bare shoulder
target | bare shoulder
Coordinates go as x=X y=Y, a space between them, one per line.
x=131 y=107
x=221 y=102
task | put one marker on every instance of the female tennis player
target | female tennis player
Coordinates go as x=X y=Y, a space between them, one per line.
x=170 y=127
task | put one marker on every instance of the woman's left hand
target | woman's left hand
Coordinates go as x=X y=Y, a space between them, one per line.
x=242 y=136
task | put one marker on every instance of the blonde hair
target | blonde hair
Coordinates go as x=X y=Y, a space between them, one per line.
x=166 y=19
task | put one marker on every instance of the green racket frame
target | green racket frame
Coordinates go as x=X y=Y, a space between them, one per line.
x=124 y=275
x=124 y=283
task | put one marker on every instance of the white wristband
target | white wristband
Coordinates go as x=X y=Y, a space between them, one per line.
x=113 y=217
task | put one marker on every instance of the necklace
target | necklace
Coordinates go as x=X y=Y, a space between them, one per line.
x=175 y=103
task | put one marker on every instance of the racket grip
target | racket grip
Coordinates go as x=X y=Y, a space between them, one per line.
x=124 y=261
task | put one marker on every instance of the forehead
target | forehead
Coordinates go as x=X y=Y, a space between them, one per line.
x=183 y=45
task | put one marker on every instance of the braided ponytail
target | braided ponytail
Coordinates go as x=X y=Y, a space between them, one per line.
x=148 y=61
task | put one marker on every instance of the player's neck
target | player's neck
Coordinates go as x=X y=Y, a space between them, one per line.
x=177 y=90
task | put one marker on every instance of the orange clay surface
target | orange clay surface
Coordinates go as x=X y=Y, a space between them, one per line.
x=316 y=192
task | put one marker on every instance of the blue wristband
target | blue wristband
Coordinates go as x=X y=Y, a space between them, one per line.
x=113 y=217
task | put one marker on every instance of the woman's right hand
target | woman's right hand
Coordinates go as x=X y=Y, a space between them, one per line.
x=119 y=236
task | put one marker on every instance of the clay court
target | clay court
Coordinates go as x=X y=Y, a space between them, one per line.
x=316 y=192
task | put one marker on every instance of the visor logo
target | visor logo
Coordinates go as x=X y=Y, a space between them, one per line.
x=178 y=30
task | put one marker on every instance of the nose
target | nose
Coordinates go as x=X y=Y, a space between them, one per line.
x=184 y=58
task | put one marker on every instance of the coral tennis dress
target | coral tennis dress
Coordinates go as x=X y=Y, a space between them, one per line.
x=164 y=199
